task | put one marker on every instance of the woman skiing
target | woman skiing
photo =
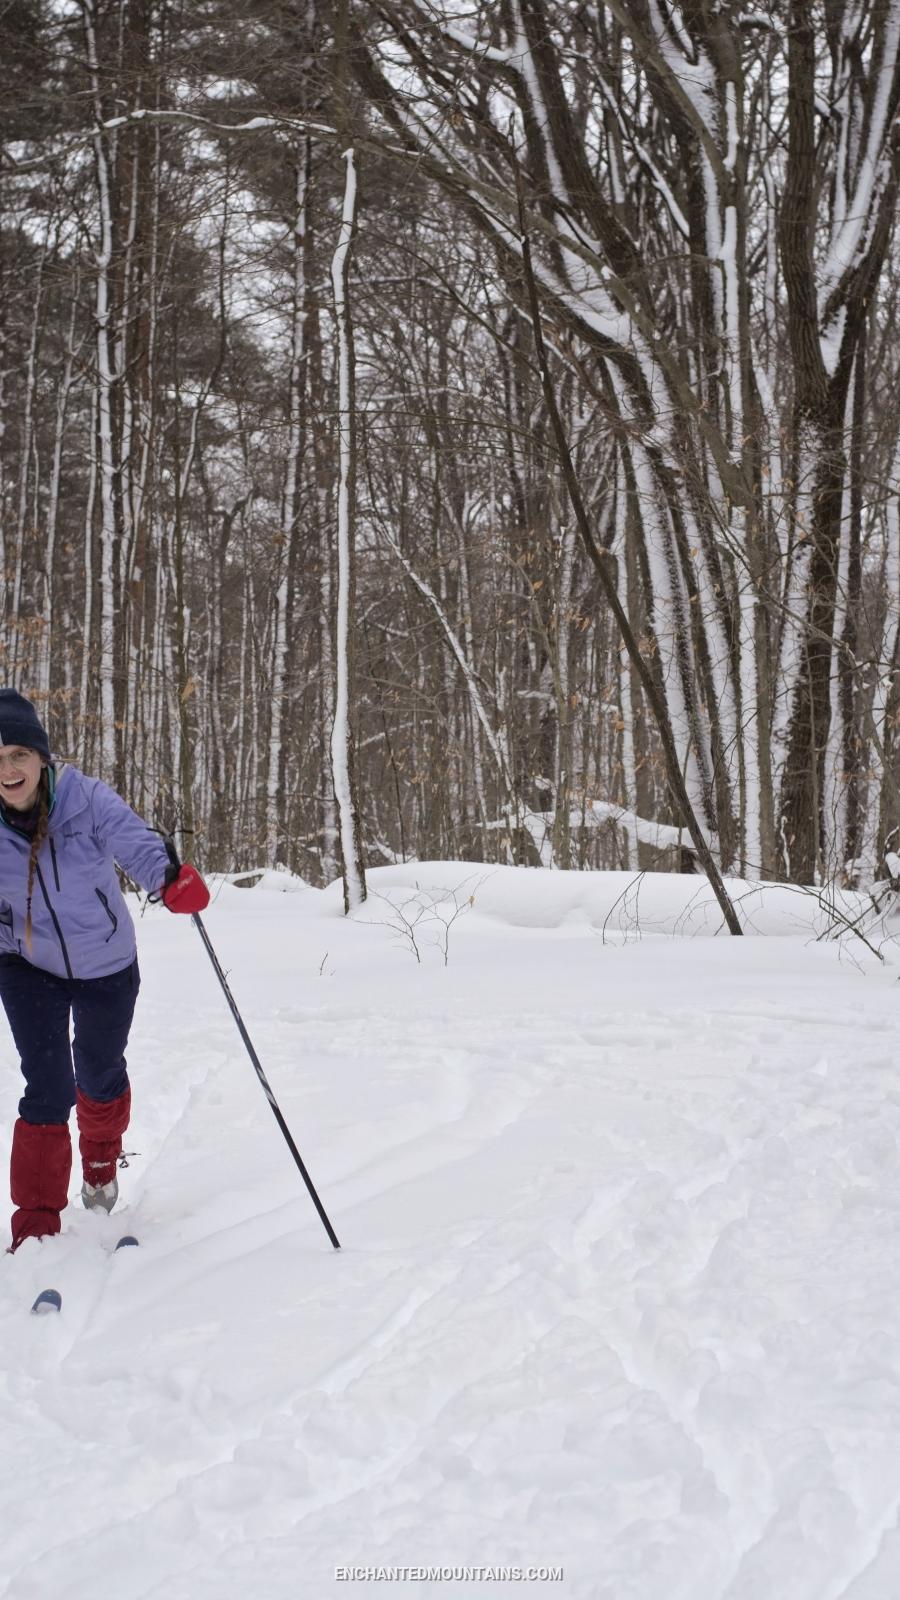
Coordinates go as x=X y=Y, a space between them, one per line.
x=67 y=950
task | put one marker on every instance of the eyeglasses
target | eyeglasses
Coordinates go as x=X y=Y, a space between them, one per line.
x=18 y=758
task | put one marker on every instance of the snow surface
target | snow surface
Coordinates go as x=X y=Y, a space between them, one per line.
x=620 y=1212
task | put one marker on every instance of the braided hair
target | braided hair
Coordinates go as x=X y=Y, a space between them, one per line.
x=38 y=837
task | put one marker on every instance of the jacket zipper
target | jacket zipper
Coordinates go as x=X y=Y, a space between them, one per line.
x=55 y=865
x=105 y=904
x=55 y=920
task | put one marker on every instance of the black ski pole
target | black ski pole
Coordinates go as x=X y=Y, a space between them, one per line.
x=267 y=1088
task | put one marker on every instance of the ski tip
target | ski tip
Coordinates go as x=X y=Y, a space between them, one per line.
x=47 y=1300
x=126 y=1239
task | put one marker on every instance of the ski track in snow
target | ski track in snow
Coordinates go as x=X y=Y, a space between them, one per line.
x=618 y=1288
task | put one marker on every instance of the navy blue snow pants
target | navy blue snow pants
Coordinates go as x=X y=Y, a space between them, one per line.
x=39 y=1007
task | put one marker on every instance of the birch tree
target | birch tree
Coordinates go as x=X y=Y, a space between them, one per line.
x=674 y=180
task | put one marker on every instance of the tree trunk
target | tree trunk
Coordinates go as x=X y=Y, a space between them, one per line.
x=343 y=729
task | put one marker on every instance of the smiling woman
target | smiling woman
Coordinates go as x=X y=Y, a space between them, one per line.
x=20 y=776
x=68 y=956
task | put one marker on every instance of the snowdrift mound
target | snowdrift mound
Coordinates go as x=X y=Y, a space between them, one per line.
x=620 y=905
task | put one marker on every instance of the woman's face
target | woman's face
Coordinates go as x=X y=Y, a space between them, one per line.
x=20 y=776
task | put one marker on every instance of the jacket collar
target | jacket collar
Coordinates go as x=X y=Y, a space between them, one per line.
x=70 y=796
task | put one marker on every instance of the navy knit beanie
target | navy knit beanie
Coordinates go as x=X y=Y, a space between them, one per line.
x=20 y=724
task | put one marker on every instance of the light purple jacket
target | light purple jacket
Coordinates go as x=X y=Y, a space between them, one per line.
x=81 y=927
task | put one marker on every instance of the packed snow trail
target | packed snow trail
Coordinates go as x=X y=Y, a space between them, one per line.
x=619 y=1285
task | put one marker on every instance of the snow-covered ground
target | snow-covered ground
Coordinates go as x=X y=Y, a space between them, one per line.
x=620 y=1282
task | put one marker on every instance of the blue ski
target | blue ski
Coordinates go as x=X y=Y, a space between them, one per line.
x=47 y=1300
x=51 y=1299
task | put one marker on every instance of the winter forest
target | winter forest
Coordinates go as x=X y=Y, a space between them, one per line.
x=487 y=414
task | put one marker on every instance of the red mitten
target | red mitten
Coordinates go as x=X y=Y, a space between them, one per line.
x=186 y=892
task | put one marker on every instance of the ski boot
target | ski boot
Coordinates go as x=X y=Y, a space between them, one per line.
x=100 y=1196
